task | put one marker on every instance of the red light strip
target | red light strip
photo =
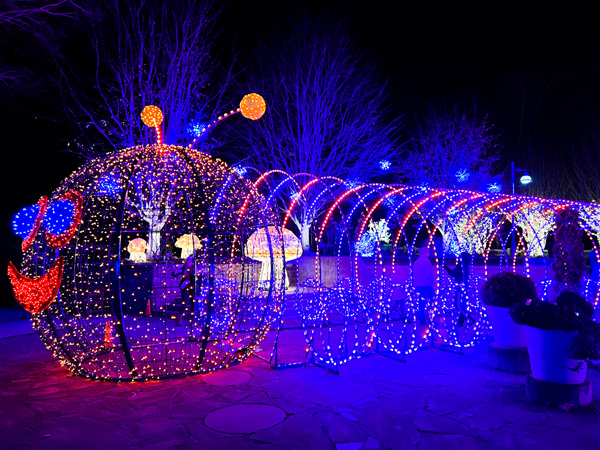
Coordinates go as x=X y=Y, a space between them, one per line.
x=43 y=204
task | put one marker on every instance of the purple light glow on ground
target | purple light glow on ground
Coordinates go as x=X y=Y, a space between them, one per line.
x=435 y=400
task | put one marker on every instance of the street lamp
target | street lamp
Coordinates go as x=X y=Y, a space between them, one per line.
x=524 y=180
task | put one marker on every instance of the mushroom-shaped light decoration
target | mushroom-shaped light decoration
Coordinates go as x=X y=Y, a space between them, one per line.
x=257 y=247
x=137 y=250
x=188 y=243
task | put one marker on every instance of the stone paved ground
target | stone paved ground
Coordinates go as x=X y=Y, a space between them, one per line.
x=437 y=400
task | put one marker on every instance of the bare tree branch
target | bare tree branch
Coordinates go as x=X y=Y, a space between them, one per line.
x=147 y=52
x=453 y=146
x=34 y=19
x=327 y=108
x=27 y=14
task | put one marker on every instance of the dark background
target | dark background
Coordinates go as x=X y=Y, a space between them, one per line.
x=426 y=53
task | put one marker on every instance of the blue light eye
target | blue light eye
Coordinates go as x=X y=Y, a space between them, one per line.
x=24 y=221
x=59 y=216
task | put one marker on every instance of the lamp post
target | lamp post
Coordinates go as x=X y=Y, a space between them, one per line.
x=524 y=180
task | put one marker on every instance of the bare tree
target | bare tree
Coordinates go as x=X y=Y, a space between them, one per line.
x=155 y=192
x=144 y=52
x=579 y=172
x=583 y=179
x=327 y=113
x=533 y=144
x=453 y=147
x=36 y=20
x=552 y=171
x=30 y=14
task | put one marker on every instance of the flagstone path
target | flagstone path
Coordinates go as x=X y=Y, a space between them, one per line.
x=436 y=400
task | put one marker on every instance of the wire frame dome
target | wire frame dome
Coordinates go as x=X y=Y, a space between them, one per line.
x=124 y=318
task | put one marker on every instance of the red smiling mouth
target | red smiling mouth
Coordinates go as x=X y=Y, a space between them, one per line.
x=36 y=294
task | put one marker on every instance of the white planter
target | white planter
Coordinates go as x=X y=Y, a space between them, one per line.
x=505 y=331
x=548 y=356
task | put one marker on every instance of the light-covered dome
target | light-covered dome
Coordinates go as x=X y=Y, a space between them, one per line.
x=122 y=319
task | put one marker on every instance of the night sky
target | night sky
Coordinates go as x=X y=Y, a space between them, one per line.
x=427 y=54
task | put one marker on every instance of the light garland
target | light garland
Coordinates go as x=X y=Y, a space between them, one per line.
x=155 y=315
x=123 y=315
x=477 y=221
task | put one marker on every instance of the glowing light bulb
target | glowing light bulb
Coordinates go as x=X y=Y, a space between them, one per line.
x=253 y=106
x=152 y=116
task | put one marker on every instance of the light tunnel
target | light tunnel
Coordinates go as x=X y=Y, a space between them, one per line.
x=290 y=267
x=353 y=290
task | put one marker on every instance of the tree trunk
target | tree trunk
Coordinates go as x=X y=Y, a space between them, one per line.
x=305 y=238
x=154 y=243
x=155 y=225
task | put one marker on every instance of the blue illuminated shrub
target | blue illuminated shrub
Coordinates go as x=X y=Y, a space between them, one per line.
x=506 y=289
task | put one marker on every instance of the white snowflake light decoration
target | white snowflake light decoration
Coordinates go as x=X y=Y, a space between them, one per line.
x=462 y=175
x=385 y=164
x=494 y=187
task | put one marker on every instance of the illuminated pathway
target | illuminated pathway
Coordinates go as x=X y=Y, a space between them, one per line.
x=436 y=400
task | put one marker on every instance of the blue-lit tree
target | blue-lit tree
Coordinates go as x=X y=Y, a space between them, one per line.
x=453 y=146
x=327 y=112
x=140 y=54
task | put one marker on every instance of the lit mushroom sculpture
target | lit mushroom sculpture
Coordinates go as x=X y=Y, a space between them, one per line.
x=137 y=250
x=188 y=243
x=257 y=247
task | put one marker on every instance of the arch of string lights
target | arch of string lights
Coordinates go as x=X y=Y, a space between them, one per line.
x=356 y=296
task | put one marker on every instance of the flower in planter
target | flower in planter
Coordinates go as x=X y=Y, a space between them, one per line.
x=506 y=289
x=571 y=312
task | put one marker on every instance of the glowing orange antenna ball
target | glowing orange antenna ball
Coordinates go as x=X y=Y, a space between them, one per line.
x=253 y=106
x=152 y=116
